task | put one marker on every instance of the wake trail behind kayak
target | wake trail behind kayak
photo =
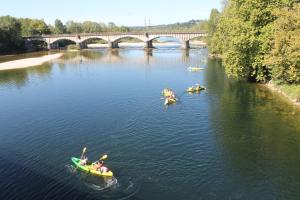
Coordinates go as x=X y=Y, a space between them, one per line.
x=105 y=187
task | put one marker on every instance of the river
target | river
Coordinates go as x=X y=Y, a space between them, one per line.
x=235 y=140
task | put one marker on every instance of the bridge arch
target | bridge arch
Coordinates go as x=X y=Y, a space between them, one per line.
x=60 y=43
x=141 y=38
x=85 y=39
x=62 y=39
x=181 y=41
x=167 y=36
x=36 y=44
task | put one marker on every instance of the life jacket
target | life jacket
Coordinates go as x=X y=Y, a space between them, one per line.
x=103 y=169
x=84 y=161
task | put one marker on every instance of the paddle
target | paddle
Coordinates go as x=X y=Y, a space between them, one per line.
x=83 y=151
x=101 y=158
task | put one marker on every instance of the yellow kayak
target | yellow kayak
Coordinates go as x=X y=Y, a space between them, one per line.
x=88 y=168
x=193 y=69
x=169 y=101
x=194 y=89
x=190 y=89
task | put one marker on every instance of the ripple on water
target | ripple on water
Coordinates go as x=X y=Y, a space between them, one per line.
x=123 y=187
x=211 y=145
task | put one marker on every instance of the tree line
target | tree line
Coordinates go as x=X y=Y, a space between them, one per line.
x=12 y=30
x=258 y=40
x=189 y=26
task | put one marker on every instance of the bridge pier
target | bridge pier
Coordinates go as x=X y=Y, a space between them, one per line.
x=49 y=46
x=148 y=44
x=113 y=45
x=81 y=45
x=186 y=44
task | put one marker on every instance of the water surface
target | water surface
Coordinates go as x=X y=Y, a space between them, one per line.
x=233 y=141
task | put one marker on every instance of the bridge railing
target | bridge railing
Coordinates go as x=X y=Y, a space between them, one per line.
x=110 y=34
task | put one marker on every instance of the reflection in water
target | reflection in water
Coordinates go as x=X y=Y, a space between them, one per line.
x=19 y=77
x=147 y=55
x=119 y=56
x=233 y=141
x=14 y=77
x=186 y=55
x=259 y=135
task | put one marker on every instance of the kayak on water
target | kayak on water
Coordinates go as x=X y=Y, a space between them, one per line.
x=170 y=100
x=89 y=168
x=193 y=69
x=194 y=89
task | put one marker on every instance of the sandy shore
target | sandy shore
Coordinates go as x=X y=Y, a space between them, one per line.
x=28 y=62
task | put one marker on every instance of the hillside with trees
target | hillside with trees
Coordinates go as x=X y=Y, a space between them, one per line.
x=192 y=25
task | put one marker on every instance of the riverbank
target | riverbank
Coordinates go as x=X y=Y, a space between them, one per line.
x=214 y=56
x=28 y=62
x=291 y=92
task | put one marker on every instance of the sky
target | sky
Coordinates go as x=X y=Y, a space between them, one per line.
x=121 y=12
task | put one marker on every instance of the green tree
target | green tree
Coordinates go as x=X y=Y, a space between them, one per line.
x=199 y=26
x=39 y=27
x=59 y=27
x=91 y=27
x=284 y=58
x=213 y=21
x=211 y=27
x=124 y=29
x=31 y=27
x=243 y=37
x=111 y=25
x=10 y=34
x=73 y=27
x=26 y=28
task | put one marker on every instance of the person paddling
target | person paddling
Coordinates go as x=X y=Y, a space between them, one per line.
x=84 y=158
x=96 y=165
x=103 y=169
x=99 y=166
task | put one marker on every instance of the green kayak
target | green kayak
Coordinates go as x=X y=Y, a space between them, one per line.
x=89 y=168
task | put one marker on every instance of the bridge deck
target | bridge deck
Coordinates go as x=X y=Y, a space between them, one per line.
x=113 y=34
x=113 y=38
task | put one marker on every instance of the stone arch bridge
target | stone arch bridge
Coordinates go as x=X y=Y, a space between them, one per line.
x=113 y=38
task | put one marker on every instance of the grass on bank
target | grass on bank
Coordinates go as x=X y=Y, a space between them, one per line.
x=291 y=90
